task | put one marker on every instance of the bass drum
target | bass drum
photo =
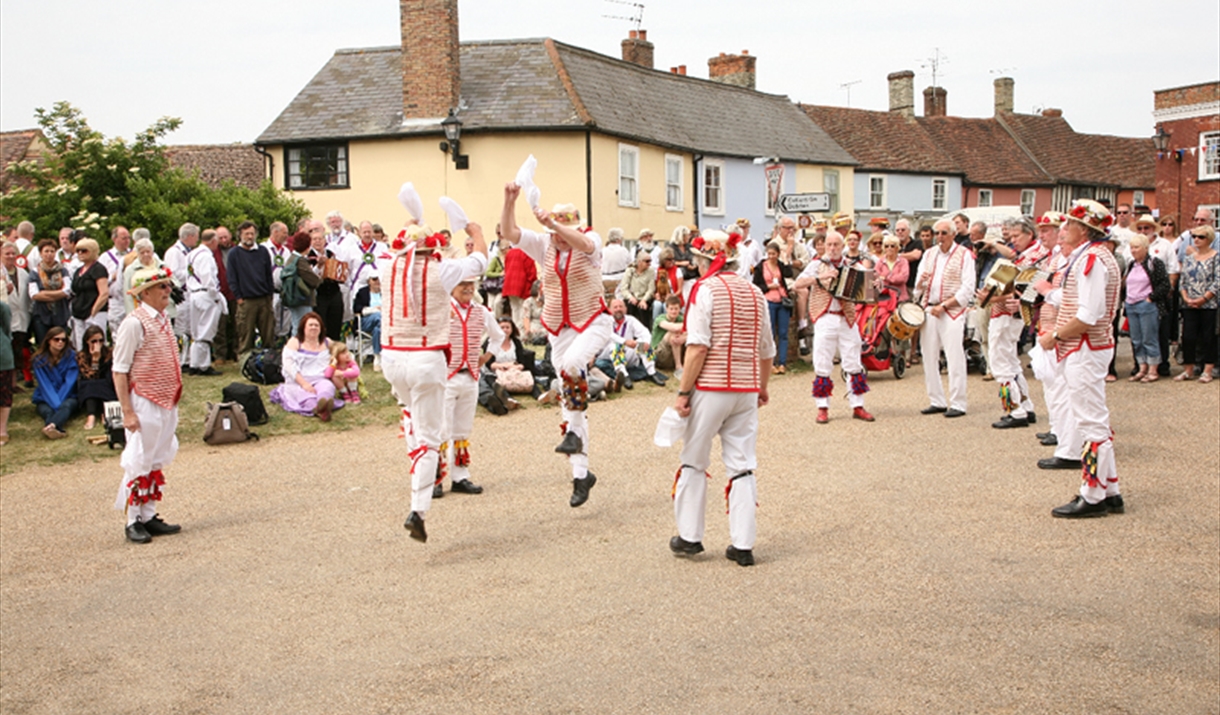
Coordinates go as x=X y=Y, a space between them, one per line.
x=907 y=319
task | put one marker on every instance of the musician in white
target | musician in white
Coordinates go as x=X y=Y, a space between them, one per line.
x=834 y=328
x=176 y=260
x=945 y=285
x=112 y=259
x=207 y=303
x=280 y=248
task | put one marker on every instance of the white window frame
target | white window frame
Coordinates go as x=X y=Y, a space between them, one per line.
x=1137 y=197
x=831 y=176
x=943 y=203
x=629 y=183
x=1209 y=156
x=675 y=167
x=1033 y=201
x=880 y=203
x=989 y=196
x=718 y=165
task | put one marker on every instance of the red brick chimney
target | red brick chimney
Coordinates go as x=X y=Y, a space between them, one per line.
x=736 y=70
x=1052 y=112
x=637 y=49
x=431 y=70
x=935 y=102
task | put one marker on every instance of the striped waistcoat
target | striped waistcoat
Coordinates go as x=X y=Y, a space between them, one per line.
x=419 y=321
x=154 y=367
x=466 y=328
x=1101 y=335
x=573 y=290
x=731 y=364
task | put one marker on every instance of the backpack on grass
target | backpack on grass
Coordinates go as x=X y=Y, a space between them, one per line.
x=250 y=400
x=225 y=423
x=263 y=367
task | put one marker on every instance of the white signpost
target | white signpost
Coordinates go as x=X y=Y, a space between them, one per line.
x=804 y=203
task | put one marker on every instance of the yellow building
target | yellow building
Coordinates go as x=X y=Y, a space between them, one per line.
x=629 y=145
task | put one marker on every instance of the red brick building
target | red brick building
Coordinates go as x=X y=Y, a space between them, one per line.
x=1188 y=169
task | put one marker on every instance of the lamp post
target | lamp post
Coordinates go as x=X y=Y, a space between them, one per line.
x=453 y=136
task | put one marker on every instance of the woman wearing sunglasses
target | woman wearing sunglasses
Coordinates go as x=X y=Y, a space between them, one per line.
x=90 y=291
x=55 y=377
x=95 y=386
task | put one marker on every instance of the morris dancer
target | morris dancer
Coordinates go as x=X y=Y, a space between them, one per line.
x=574 y=314
x=207 y=303
x=945 y=282
x=469 y=323
x=834 y=327
x=1005 y=331
x=1083 y=341
x=729 y=349
x=414 y=346
x=149 y=386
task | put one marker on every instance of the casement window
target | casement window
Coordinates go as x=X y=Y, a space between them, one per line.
x=876 y=192
x=1137 y=197
x=984 y=197
x=673 y=182
x=830 y=184
x=713 y=187
x=940 y=193
x=1028 y=197
x=316 y=166
x=1209 y=156
x=628 y=176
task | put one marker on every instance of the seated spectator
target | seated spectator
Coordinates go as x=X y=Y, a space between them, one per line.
x=628 y=350
x=637 y=288
x=55 y=377
x=367 y=305
x=344 y=373
x=306 y=389
x=669 y=337
x=533 y=333
x=511 y=362
x=95 y=386
x=49 y=290
x=669 y=282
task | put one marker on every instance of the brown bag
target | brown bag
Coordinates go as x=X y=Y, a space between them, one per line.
x=226 y=423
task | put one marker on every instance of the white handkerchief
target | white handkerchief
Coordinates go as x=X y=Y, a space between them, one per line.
x=525 y=179
x=670 y=428
x=409 y=198
x=457 y=217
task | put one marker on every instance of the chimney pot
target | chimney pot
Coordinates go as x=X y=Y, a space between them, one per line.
x=644 y=34
x=1052 y=112
x=902 y=92
x=1003 y=95
x=682 y=70
x=431 y=69
x=632 y=35
x=745 y=52
x=935 y=102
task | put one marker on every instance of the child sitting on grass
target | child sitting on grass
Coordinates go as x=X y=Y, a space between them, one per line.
x=344 y=372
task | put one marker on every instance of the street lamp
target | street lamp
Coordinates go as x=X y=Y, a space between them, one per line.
x=1160 y=140
x=453 y=134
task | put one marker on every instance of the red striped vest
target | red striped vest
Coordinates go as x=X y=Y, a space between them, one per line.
x=154 y=372
x=1101 y=335
x=820 y=299
x=731 y=364
x=573 y=290
x=419 y=324
x=951 y=278
x=466 y=328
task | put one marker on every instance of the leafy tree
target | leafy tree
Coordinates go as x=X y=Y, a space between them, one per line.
x=95 y=184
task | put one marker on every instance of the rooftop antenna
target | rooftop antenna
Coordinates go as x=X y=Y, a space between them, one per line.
x=847 y=86
x=636 y=17
x=934 y=62
x=1003 y=71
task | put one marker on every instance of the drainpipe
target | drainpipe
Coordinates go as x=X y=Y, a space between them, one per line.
x=589 y=177
x=697 y=159
x=269 y=159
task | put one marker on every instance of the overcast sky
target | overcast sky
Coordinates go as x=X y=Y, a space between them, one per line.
x=229 y=67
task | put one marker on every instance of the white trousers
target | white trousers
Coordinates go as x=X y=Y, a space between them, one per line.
x=151 y=448
x=942 y=332
x=461 y=399
x=1005 y=363
x=733 y=416
x=205 y=319
x=1059 y=410
x=571 y=353
x=418 y=379
x=1084 y=373
x=830 y=333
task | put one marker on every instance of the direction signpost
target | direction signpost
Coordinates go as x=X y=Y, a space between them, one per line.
x=804 y=203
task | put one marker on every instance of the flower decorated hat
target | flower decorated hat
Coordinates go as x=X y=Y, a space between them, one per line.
x=1091 y=215
x=1051 y=218
x=146 y=278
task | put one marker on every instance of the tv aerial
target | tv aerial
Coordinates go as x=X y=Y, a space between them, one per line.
x=637 y=14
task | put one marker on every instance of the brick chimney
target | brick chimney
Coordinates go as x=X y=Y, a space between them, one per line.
x=736 y=70
x=902 y=92
x=1052 y=112
x=637 y=49
x=935 y=102
x=1003 y=95
x=431 y=71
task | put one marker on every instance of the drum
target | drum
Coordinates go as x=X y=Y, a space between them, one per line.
x=905 y=321
x=334 y=270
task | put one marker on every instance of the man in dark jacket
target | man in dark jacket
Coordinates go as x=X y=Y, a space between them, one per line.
x=249 y=273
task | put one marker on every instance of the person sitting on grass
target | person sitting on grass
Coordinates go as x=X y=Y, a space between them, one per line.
x=344 y=372
x=95 y=386
x=55 y=377
x=306 y=389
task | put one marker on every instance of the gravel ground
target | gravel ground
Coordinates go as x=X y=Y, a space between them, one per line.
x=908 y=566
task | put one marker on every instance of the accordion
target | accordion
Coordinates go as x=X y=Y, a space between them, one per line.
x=854 y=284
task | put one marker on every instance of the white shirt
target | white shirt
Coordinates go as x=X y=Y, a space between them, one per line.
x=113 y=261
x=615 y=259
x=175 y=259
x=1162 y=248
x=202 y=274
x=279 y=256
x=934 y=262
x=620 y=332
x=749 y=255
x=360 y=268
x=699 y=325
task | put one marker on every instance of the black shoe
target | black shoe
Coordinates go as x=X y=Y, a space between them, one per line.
x=1078 y=508
x=1058 y=463
x=1161 y=370
x=580 y=489
x=805 y=332
x=29 y=384
x=1115 y=504
x=465 y=486
x=1043 y=435
x=571 y=444
x=1008 y=422
x=137 y=534
x=743 y=557
x=954 y=413
x=803 y=350
x=190 y=371
x=657 y=379
x=157 y=527
x=1030 y=417
x=628 y=383
x=1050 y=440
x=415 y=525
x=933 y=410
x=682 y=547
x=438 y=491
x=209 y=372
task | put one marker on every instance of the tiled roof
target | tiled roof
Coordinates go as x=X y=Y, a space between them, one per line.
x=14 y=147
x=217 y=162
x=1084 y=158
x=985 y=151
x=883 y=140
x=543 y=84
